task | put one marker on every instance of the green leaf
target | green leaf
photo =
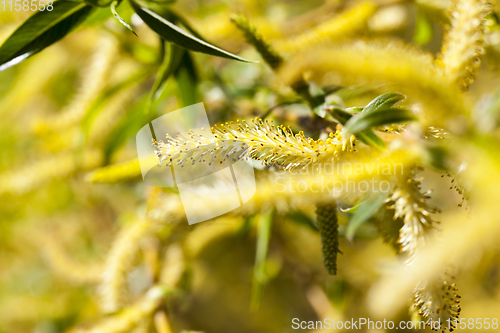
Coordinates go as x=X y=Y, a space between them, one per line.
x=340 y=115
x=42 y=29
x=301 y=218
x=263 y=238
x=363 y=213
x=187 y=81
x=367 y=136
x=354 y=109
x=171 y=62
x=99 y=3
x=383 y=102
x=371 y=139
x=114 y=4
x=351 y=210
x=365 y=121
x=172 y=33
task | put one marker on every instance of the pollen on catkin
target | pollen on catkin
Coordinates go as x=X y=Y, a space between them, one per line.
x=273 y=145
x=326 y=214
x=409 y=204
x=438 y=302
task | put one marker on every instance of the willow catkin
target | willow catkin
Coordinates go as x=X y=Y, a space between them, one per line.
x=65 y=266
x=131 y=316
x=116 y=173
x=270 y=144
x=438 y=303
x=265 y=49
x=37 y=173
x=119 y=262
x=463 y=43
x=329 y=231
x=409 y=204
x=347 y=24
x=94 y=79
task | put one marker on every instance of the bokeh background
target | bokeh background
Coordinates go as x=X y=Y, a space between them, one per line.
x=76 y=107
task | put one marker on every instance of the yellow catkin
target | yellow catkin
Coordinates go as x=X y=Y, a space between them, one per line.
x=40 y=172
x=345 y=25
x=409 y=204
x=104 y=123
x=116 y=173
x=208 y=232
x=25 y=87
x=173 y=267
x=130 y=317
x=378 y=63
x=438 y=303
x=463 y=43
x=65 y=266
x=93 y=81
x=119 y=262
x=270 y=144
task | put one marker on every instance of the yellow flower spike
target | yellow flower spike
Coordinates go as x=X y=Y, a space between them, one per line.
x=261 y=142
x=113 y=288
x=343 y=26
x=463 y=43
x=131 y=316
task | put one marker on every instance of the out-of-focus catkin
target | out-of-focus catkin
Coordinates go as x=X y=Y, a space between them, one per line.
x=130 y=317
x=94 y=79
x=329 y=231
x=463 y=44
x=65 y=266
x=113 y=288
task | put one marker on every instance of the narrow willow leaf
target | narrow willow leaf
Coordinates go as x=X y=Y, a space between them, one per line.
x=114 y=4
x=42 y=29
x=187 y=81
x=371 y=139
x=363 y=213
x=340 y=115
x=351 y=210
x=382 y=102
x=354 y=109
x=301 y=218
x=171 y=62
x=366 y=121
x=263 y=238
x=367 y=136
x=172 y=33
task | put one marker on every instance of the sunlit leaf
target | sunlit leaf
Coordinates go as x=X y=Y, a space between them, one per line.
x=42 y=29
x=365 y=121
x=263 y=238
x=171 y=62
x=383 y=102
x=187 y=81
x=363 y=213
x=114 y=4
x=172 y=33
